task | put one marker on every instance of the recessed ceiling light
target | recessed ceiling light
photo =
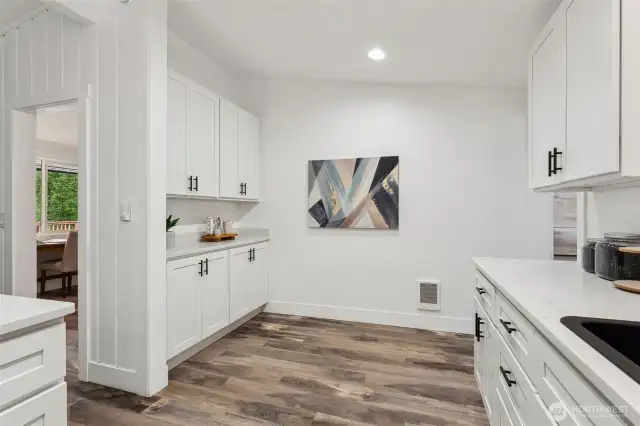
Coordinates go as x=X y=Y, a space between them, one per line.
x=377 y=54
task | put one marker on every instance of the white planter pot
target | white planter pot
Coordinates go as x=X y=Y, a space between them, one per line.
x=171 y=239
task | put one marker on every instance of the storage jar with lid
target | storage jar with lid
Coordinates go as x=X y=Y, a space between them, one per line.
x=589 y=255
x=612 y=264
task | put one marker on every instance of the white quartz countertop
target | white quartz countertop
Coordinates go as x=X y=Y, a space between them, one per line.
x=545 y=291
x=188 y=245
x=18 y=313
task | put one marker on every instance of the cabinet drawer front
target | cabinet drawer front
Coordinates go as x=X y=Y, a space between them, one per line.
x=564 y=393
x=30 y=362
x=48 y=408
x=517 y=332
x=517 y=391
x=486 y=294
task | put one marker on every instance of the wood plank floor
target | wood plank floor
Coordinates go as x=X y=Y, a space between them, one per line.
x=287 y=370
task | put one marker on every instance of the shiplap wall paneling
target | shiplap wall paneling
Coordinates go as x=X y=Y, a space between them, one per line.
x=43 y=59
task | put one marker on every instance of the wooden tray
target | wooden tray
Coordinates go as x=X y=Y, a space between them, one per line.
x=218 y=238
x=628 y=285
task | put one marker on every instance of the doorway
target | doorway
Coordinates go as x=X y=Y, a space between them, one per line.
x=48 y=213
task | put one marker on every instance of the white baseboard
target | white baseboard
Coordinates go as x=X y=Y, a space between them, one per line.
x=426 y=321
x=119 y=378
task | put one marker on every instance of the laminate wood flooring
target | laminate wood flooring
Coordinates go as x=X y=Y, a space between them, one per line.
x=289 y=370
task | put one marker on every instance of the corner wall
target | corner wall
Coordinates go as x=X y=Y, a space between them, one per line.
x=463 y=193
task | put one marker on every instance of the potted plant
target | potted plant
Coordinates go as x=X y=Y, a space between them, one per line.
x=171 y=235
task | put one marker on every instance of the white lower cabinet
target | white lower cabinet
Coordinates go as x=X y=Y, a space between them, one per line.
x=522 y=379
x=207 y=293
x=215 y=293
x=248 y=279
x=1 y=256
x=48 y=408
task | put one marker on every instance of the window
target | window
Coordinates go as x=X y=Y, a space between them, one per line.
x=57 y=204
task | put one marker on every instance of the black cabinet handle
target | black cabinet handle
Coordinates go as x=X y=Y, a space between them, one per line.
x=549 y=163
x=556 y=169
x=250 y=259
x=254 y=254
x=201 y=268
x=206 y=265
x=507 y=326
x=481 y=290
x=196 y=184
x=479 y=322
x=505 y=374
x=243 y=188
x=190 y=183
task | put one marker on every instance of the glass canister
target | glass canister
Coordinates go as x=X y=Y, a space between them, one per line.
x=612 y=264
x=589 y=255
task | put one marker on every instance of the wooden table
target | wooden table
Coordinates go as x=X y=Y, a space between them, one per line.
x=55 y=245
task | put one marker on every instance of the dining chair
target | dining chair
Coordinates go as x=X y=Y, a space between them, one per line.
x=65 y=268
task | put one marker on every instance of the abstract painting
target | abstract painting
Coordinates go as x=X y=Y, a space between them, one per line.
x=354 y=193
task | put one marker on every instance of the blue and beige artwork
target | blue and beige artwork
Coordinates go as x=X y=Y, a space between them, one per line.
x=354 y=193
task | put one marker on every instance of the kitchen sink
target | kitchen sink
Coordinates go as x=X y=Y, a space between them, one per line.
x=616 y=340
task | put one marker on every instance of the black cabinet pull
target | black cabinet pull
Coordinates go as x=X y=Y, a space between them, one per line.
x=556 y=169
x=206 y=265
x=479 y=322
x=201 y=268
x=254 y=254
x=250 y=259
x=507 y=326
x=549 y=163
x=196 y=184
x=190 y=183
x=481 y=290
x=505 y=374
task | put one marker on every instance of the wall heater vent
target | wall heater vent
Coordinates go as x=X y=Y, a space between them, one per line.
x=430 y=295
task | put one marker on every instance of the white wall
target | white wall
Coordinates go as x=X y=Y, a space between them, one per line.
x=188 y=61
x=615 y=210
x=464 y=193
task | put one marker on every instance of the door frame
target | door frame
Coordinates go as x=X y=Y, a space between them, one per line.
x=83 y=107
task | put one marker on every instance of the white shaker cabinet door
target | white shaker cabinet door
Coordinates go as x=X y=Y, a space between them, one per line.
x=202 y=142
x=592 y=88
x=176 y=137
x=239 y=291
x=546 y=105
x=249 y=135
x=215 y=293
x=258 y=276
x=229 y=150
x=184 y=292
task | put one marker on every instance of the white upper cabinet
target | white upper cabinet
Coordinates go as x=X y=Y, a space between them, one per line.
x=583 y=100
x=239 y=153
x=202 y=142
x=593 y=88
x=229 y=150
x=192 y=139
x=176 y=137
x=546 y=104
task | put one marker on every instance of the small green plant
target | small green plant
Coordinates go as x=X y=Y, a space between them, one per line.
x=172 y=222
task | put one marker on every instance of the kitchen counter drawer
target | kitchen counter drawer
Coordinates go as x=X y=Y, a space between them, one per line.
x=30 y=362
x=517 y=391
x=517 y=332
x=564 y=393
x=48 y=408
x=486 y=294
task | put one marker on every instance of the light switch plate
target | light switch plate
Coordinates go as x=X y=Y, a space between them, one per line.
x=125 y=212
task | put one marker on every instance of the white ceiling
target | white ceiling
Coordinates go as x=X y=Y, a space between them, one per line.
x=470 y=42
x=13 y=10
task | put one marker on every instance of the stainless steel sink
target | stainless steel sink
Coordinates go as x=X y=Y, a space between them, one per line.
x=618 y=341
